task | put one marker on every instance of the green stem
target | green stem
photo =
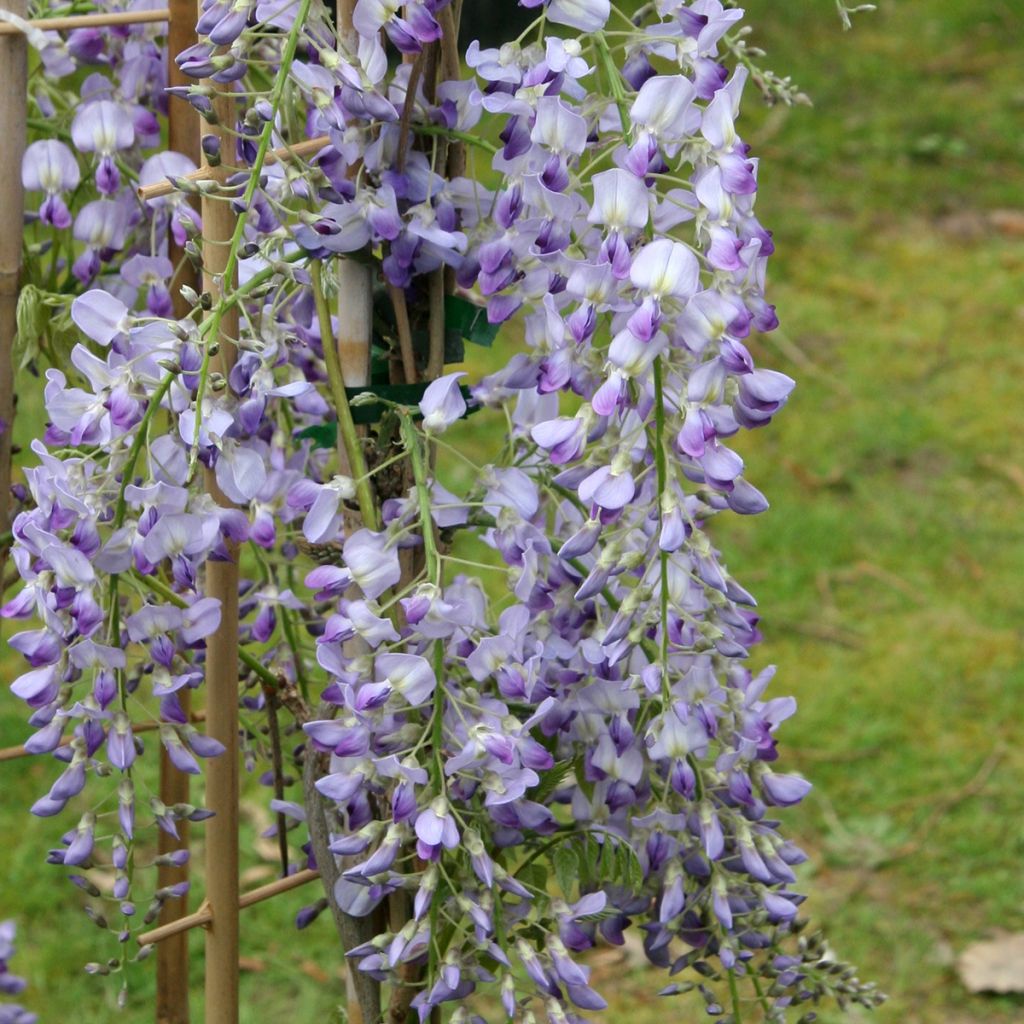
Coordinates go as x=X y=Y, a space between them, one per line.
x=121 y=508
x=453 y=133
x=419 y=476
x=411 y=442
x=614 y=80
x=734 y=995
x=760 y=996
x=288 y=626
x=661 y=468
x=350 y=450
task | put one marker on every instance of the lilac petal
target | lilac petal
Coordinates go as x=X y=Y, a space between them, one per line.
x=429 y=827
x=102 y=127
x=49 y=166
x=37 y=687
x=341 y=786
x=241 y=472
x=328 y=581
x=410 y=674
x=200 y=619
x=784 y=790
x=322 y=520
x=100 y=315
x=442 y=403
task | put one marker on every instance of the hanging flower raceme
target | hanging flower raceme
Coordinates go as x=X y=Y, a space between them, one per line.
x=518 y=766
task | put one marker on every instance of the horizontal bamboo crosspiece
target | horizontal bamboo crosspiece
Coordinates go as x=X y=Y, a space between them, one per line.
x=102 y=19
x=307 y=147
x=204 y=915
x=13 y=753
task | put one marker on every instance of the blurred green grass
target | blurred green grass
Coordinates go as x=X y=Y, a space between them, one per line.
x=889 y=568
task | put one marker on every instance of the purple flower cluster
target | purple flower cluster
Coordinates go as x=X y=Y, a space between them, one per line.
x=103 y=130
x=529 y=764
x=11 y=984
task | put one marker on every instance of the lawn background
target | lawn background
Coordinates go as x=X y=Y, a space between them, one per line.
x=889 y=569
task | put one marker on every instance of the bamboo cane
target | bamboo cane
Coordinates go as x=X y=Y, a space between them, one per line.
x=13 y=116
x=203 y=917
x=13 y=753
x=355 y=285
x=300 y=149
x=221 y=985
x=103 y=19
x=172 y=995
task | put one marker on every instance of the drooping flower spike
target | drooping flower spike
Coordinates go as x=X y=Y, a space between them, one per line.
x=574 y=745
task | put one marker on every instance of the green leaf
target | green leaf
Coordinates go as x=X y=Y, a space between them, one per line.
x=590 y=862
x=566 y=867
x=534 y=875
x=554 y=777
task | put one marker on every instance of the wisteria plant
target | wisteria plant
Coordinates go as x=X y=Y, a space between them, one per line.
x=500 y=770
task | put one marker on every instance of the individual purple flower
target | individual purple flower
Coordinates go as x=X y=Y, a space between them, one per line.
x=442 y=403
x=435 y=829
x=409 y=674
x=240 y=470
x=120 y=743
x=268 y=600
x=102 y=127
x=370 y=562
x=607 y=488
x=100 y=316
x=323 y=502
x=183 y=217
x=584 y=15
x=154 y=274
x=409 y=30
x=621 y=201
x=49 y=166
x=783 y=790
x=102 y=225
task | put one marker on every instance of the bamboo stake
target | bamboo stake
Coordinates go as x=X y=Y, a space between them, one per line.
x=13 y=117
x=103 y=19
x=355 y=284
x=300 y=149
x=355 y=321
x=203 y=917
x=221 y=986
x=172 y=995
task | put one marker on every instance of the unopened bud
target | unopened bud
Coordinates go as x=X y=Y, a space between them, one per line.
x=211 y=149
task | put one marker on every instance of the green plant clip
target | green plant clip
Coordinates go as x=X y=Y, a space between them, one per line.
x=324 y=435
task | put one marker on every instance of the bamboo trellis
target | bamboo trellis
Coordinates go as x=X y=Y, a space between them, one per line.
x=13 y=123
x=219 y=912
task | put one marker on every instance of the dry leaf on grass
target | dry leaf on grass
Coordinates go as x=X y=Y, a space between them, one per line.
x=993 y=965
